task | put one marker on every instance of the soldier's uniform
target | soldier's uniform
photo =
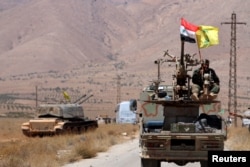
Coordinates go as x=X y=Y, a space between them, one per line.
x=198 y=81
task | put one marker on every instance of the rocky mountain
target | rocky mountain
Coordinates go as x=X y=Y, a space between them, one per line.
x=86 y=44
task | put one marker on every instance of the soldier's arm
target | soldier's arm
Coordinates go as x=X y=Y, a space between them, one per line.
x=215 y=77
x=196 y=76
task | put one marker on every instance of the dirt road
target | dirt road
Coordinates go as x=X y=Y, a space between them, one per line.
x=122 y=155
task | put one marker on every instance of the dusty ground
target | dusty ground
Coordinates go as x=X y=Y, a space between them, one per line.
x=122 y=155
x=128 y=153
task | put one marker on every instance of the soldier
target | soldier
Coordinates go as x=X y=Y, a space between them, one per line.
x=198 y=81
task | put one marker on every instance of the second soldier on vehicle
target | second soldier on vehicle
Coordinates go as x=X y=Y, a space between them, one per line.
x=198 y=81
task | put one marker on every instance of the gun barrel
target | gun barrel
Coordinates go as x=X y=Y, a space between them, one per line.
x=182 y=53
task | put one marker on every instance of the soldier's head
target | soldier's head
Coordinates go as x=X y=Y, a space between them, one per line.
x=205 y=64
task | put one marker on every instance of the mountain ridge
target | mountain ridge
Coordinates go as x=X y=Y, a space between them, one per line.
x=110 y=38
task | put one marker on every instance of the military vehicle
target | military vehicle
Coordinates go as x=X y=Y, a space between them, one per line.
x=56 y=119
x=104 y=119
x=245 y=118
x=173 y=128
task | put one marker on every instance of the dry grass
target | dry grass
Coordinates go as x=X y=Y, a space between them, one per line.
x=10 y=129
x=238 y=139
x=18 y=150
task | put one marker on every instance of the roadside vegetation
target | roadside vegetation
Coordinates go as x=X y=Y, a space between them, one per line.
x=238 y=139
x=18 y=150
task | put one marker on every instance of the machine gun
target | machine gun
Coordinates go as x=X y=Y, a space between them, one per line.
x=181 y=79
x=245 y=119
x=207 y=82
x=240 y=116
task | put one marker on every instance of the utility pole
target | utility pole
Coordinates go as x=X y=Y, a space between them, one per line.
x=232 y=87
x=36 y=98
x=118 y=86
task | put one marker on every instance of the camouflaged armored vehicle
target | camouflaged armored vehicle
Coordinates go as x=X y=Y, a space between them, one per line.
x=58 y=119
x=174 y=128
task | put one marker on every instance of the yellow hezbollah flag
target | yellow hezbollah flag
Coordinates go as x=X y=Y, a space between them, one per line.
x=66 y=96
x=207 y=36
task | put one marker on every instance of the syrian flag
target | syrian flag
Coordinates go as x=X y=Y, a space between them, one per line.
x=187 y=31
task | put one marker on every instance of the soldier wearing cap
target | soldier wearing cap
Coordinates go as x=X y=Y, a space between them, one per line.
x=198 y=81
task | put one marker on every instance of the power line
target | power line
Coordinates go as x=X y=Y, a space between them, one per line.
x=232 y=87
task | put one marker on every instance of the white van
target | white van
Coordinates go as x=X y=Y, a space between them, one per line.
x=124 y=114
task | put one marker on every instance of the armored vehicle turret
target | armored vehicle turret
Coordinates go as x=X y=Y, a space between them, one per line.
x=58 y=119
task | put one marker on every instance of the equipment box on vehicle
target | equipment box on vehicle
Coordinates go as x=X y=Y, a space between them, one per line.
x=183 y=127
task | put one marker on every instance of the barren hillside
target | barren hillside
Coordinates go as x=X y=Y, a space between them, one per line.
x=83 y=45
